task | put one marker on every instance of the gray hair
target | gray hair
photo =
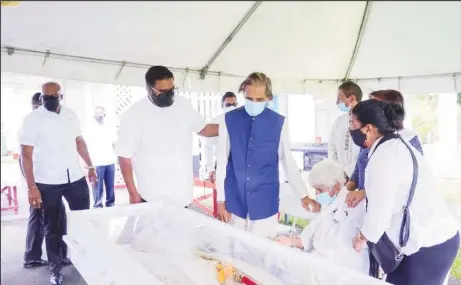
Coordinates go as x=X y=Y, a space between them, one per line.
x=326 y=173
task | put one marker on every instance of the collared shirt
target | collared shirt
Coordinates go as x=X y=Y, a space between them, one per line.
x=100 y=139
x=285 y=158
x=341 y=147
x=53 y=136
x=388 y=178
x=331 y=233
x=159 y=141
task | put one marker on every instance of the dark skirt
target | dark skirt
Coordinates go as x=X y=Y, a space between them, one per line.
x=428 y=266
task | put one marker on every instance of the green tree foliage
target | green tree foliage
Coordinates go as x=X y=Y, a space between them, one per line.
x=425 y=117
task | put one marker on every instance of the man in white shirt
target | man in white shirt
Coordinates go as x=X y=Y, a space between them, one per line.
x=155 y=140
x=51 y=142
x=253 y=139
x=100 y=140
x=228 y=103
x=341 y=148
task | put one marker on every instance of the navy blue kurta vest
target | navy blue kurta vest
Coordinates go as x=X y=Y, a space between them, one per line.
x=252 y=175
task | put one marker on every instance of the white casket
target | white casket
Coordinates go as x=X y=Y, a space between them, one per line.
x=158 y=243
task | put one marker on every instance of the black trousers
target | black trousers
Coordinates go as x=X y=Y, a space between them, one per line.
x=35 y=235
x=77 y=195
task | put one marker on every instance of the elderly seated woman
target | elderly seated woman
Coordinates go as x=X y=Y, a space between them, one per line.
x=329 y=234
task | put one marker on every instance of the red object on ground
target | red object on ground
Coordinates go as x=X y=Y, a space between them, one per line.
x=197 y=201
x=247 y=281
x=12 y=196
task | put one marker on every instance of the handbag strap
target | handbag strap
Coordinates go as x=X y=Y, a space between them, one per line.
x=405 y=227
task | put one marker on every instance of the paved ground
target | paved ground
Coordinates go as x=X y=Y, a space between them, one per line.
x=12 y=272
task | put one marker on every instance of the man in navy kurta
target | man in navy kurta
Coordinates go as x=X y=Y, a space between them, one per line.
x=252 y=141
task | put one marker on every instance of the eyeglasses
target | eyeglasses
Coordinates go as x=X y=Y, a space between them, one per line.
x=174 y=90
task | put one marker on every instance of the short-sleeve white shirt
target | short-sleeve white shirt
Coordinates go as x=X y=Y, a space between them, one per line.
x=55 y=157
x=159 y=141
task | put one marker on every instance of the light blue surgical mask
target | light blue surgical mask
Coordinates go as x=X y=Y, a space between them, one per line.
x=324 y=199
x=270 y=105
x=343 y=108
x=254 y=108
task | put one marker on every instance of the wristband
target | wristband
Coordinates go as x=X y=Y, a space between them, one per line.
x=91 y=167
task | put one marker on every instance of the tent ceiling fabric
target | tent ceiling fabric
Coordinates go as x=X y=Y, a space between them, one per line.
x=305 y=47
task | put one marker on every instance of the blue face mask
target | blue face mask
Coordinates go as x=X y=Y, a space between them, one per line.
x=254 y=108
x=343 y=108
x=270 y=105
x=324 y=199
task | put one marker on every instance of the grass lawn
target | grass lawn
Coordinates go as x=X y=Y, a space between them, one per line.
x=456 y=269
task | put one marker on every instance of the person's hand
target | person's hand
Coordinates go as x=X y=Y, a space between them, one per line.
x=212 y=176
x=351 y=185
x=358 y=242
x=135 y=198
x=92 y=176
x=223 y=214
x=310 y=205
x=284 y=240
x=35 y=198
x=353 y=198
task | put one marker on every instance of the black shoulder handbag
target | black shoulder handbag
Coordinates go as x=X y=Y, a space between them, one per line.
x=385 y=253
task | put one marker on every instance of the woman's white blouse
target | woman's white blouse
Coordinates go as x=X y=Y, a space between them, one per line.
x=388 y=178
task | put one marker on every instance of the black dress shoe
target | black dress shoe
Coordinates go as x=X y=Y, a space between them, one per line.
x=55 y=279
x=35 y=263
x=66 y=262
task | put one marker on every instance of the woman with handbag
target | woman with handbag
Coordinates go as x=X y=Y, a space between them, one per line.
x=407 y=227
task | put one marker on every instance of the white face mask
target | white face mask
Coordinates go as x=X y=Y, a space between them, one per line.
x=227 y=109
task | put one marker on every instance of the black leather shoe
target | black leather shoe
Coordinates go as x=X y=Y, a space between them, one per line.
x=35 y=263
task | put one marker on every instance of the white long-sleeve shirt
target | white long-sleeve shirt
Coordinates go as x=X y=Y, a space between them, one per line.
x=100 y=139
x=331 y=233
x=388 y=178
x=341 y=147
x=210 y=144
x=285 y=158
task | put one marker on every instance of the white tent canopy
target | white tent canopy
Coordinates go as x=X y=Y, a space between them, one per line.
x=305 y=47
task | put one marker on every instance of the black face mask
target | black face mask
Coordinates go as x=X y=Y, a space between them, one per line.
x=164 y=99
x=358 y=137
x=51 y=103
